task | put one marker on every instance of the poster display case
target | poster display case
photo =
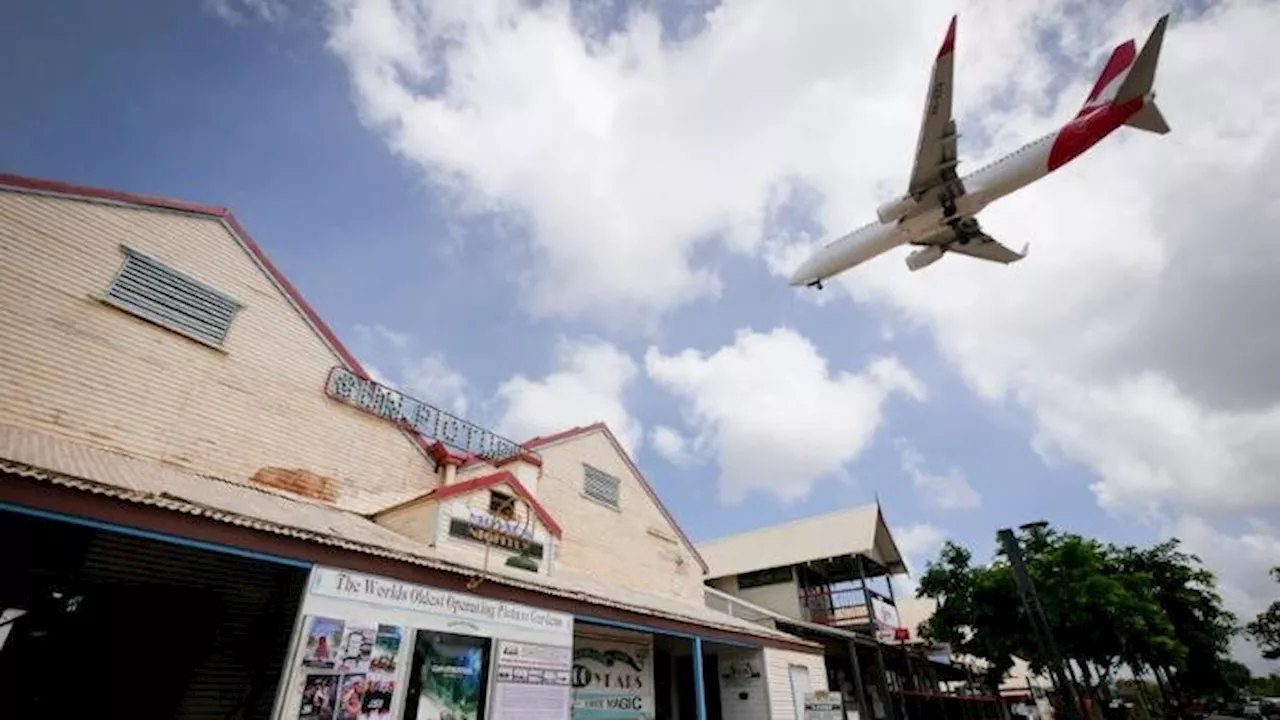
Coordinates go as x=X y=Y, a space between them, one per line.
x=373 y=648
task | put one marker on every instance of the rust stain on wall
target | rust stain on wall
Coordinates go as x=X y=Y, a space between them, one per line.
x=297 y=481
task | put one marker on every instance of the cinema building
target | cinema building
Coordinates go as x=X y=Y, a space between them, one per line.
x=208 y=509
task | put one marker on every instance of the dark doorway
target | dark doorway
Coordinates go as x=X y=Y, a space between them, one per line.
x=114 y=624
x=686 y=696
x=662 y=684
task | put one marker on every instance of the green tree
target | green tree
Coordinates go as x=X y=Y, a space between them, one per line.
x=1265 y=629
x=1154 y=610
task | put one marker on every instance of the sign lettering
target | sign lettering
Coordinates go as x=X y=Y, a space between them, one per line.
x=460 y=528
x=351 y=389
x=503 y=526
x=383 y=591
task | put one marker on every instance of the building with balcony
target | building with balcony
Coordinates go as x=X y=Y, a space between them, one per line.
x=828 y=579
x=205 y=494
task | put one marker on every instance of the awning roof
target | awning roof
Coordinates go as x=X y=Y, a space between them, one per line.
x=858 y=530
x=63 y=462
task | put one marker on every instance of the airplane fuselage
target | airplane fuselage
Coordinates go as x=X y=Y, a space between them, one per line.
x=1007 y=175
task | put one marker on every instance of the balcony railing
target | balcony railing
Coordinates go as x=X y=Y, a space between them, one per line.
x=739 y=608
x=841 y=607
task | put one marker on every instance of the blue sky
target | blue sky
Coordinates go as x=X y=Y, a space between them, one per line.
x=266 y=116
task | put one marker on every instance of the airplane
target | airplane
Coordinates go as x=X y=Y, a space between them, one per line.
x=938 y=212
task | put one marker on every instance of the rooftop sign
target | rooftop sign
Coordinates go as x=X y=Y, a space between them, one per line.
x=351 y=389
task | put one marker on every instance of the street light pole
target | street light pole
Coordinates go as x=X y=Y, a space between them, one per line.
x=1039 y=622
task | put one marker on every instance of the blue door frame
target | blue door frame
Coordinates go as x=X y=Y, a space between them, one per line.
x=699 y=684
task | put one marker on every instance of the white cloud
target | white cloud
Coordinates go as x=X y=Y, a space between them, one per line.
x=776 y=416
x=670 y=445
x=588 y=385
x=1138 y=335
x=1241 y=562
x=427 y=377
x=431 y=378
x=918 y=544
x=948 y=491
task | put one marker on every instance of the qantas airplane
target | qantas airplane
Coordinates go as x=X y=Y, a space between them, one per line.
x=938 y=212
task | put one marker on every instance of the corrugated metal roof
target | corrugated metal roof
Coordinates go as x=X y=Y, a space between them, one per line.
x=852 y=531
x=71 y=464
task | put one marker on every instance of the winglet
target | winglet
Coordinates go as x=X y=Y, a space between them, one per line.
x=949 y=42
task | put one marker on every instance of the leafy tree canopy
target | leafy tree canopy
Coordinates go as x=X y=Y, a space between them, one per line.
x=1148 y=608
x=1265 y=629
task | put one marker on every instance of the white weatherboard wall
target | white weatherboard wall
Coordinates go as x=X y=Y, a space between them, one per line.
x=368 y=600
x=777 y=675
x=612 y=674
x=744 y=692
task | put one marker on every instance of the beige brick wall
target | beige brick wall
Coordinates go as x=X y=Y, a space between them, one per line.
x=72 y=365
x=619 y=547
x=415 y=520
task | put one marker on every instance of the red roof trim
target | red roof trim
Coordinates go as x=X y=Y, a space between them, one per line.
x=467 y=487
x=63 y=188
x=255 y=250
x=525 y=455
x=644 y=483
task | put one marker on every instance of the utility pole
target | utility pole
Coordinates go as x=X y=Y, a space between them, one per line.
x=1039 y=623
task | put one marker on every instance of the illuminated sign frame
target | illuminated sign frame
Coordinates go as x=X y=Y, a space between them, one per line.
x=467 y=530
x=412 y=414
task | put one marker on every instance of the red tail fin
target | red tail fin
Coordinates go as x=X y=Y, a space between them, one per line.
x=1113 y=73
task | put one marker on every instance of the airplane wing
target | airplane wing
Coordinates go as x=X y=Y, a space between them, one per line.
x=966 y=237
x=935 y=163
x=985 y=247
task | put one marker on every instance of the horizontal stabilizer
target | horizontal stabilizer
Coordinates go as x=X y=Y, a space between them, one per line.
x=1149 y=119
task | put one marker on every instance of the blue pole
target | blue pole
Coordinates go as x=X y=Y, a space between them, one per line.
x=699 y=692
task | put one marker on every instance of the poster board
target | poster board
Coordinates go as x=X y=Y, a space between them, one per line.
x=612 y=675
x=823 y=705
x=354 y=644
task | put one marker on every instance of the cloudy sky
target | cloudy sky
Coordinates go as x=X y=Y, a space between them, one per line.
x=543 y=214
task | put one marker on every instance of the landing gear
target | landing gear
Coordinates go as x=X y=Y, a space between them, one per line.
x=816 y=284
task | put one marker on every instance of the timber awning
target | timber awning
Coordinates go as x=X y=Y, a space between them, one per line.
x=857 y=531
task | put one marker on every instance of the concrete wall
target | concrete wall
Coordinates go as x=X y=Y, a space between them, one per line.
x=74 y=366
x=632 y=546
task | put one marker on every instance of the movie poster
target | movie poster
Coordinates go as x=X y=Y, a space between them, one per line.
x=323 y=643
x=351 y=697
x=447 y=681
x=386 y=648
x=319 y=697
x=357 y=648
x=378 y=696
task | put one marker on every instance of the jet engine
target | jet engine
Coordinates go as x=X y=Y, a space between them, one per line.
x=895 y=210
x=925 y=257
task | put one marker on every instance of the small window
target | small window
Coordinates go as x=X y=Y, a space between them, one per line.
x=600 y=486
x=502 y=505
x=154 y=292
x=760 y=578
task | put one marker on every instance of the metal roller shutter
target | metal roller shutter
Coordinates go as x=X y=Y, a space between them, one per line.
x=235 y=617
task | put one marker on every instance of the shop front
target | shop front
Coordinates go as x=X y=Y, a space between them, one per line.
x=98 y=618
x=369 y=647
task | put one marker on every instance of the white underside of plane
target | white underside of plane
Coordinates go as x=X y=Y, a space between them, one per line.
x=938 y=212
